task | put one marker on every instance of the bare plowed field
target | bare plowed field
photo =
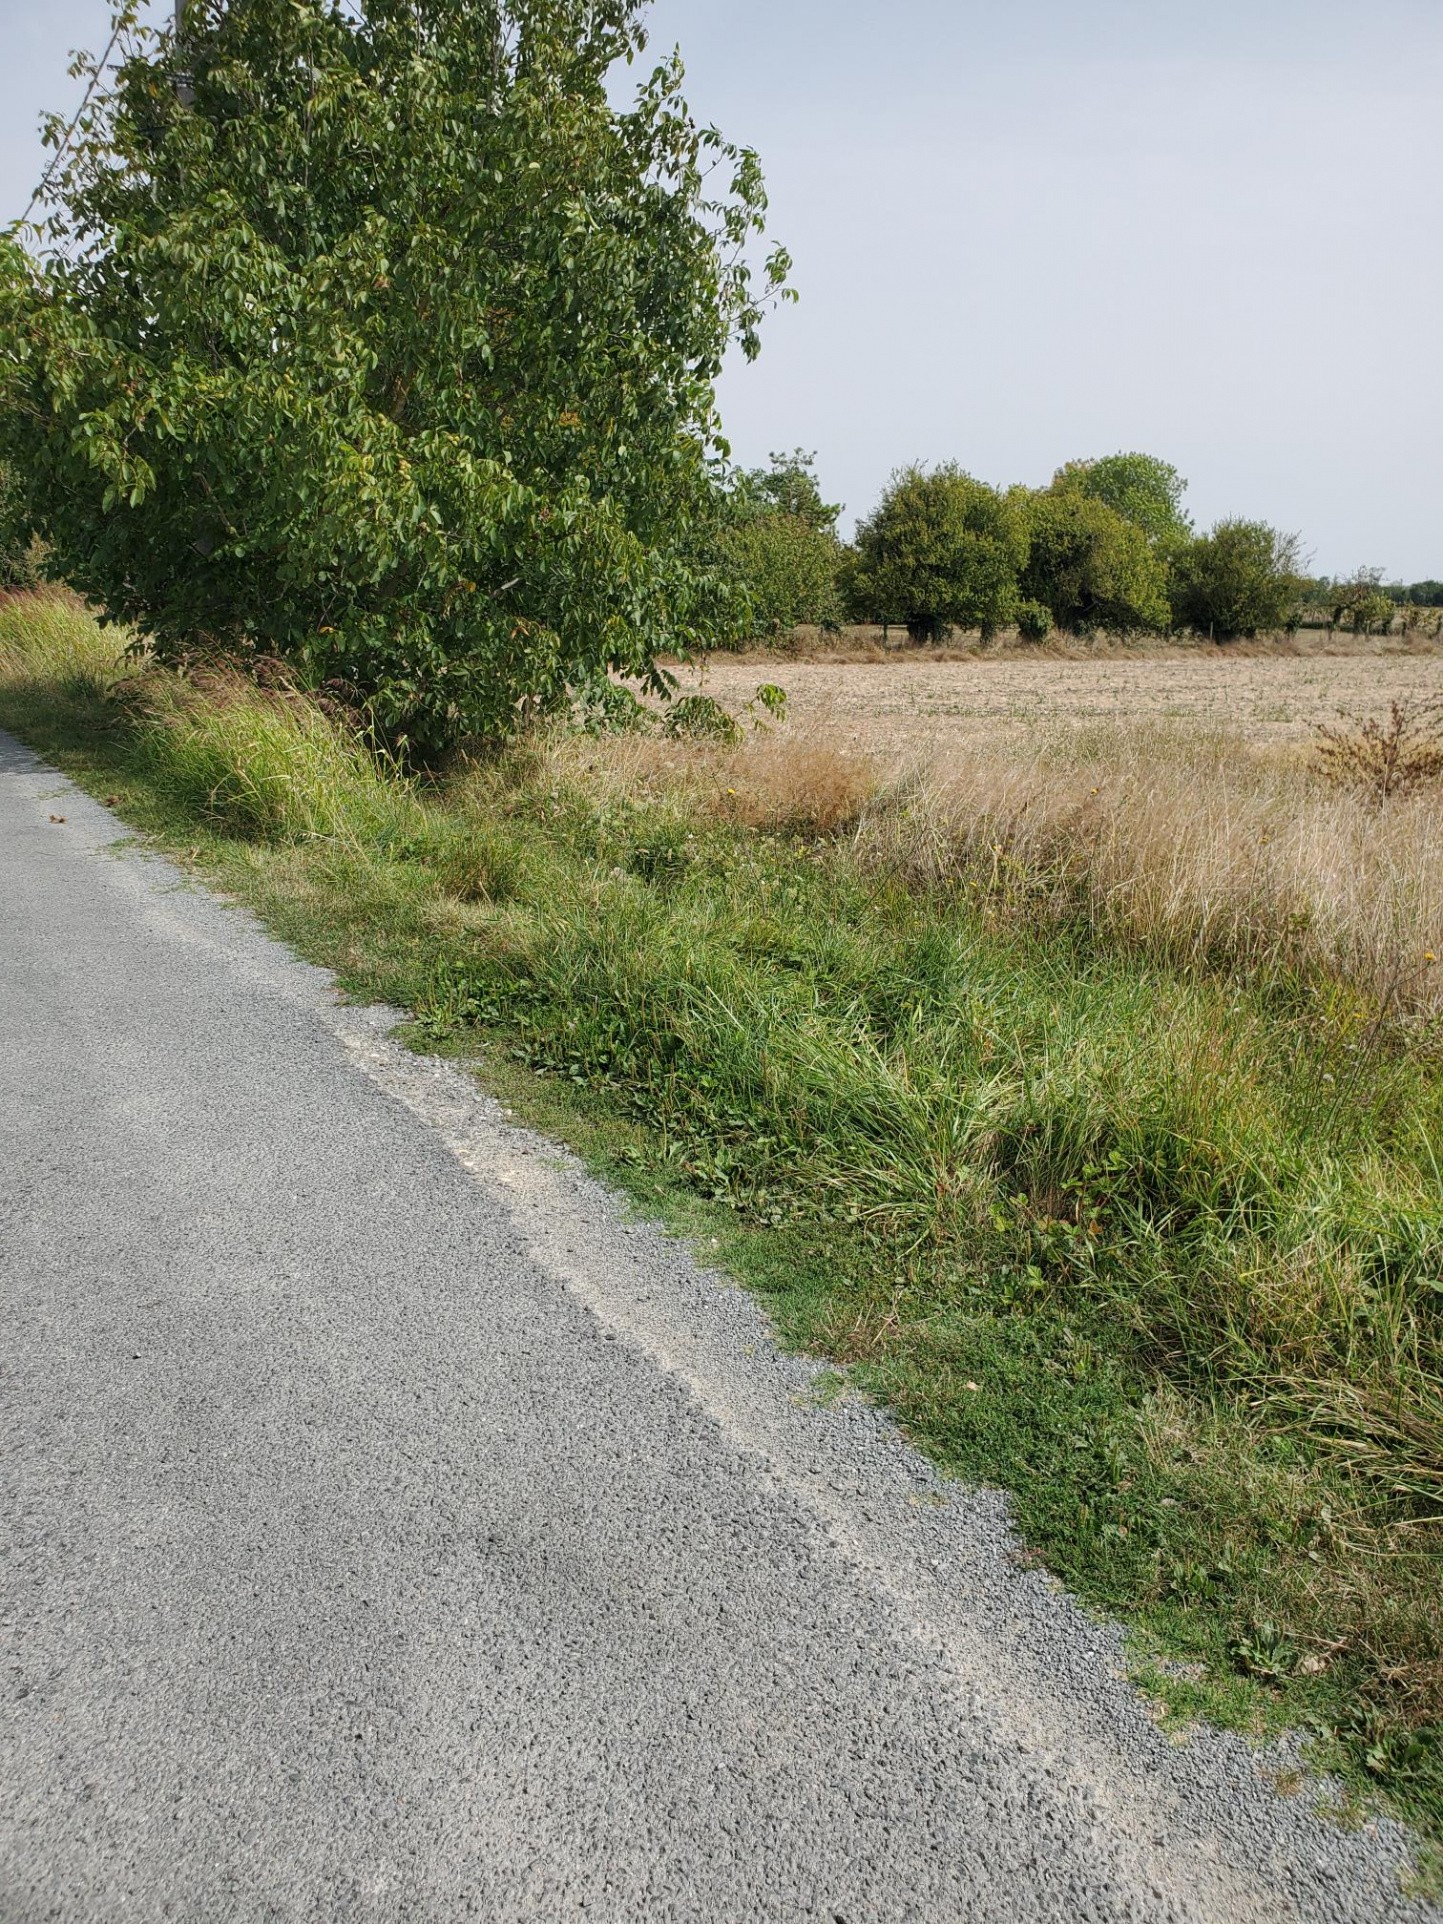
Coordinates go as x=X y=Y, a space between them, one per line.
x=901 y=704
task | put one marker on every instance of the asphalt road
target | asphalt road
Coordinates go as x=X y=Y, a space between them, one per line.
x=395 y=1531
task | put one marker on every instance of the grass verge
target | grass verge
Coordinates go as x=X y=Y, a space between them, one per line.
x=1152 y=1240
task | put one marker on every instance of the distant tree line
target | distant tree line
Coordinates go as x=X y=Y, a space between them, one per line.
x=1364 y=603
x=1105 y=547
x=1418 y=594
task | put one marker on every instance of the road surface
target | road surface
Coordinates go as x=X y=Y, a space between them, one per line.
x=398 y=1532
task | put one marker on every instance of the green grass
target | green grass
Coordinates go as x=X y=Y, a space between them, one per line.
x=1160 y=1252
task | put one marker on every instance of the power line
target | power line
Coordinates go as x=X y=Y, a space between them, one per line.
x=64 y=147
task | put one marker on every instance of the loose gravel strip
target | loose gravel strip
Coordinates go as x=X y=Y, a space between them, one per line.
x=405 y=1533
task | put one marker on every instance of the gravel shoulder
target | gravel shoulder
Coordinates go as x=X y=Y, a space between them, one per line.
x=400 y=1531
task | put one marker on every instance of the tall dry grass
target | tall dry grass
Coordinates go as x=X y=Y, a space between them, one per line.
x=1194 y=844
x=49 y=638
x=785 y=782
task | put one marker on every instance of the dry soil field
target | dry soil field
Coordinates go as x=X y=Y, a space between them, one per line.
x=903 y=703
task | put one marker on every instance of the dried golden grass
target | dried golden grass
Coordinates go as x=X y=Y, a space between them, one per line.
x=1192 y=843
x=813 y=785
x=808 y=784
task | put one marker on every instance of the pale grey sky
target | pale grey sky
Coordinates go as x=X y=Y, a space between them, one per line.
x=1052 y=228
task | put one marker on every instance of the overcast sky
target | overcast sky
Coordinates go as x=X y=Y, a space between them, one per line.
x=1047 y=228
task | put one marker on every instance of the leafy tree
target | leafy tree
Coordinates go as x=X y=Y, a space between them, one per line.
x=20 y=553
x=371 y=335
x=1141 y=488
x=1241 y=579
x=1417 y=594
x=1314 y=601
x=789 y=486
x=788 y=569
x=943 y=550
x=1034 y=621
x=1090 y=566
x=1362 y=603
x=777 y=541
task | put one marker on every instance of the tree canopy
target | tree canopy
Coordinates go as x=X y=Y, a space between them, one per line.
x=1240 y=579
x=1361 y=602
x=375 y=337
x=19 y=556
x=1141 y=488
x=788 y=486
x=943 y=550
x=777 y=542
x=1091 y=566
x=788 y=570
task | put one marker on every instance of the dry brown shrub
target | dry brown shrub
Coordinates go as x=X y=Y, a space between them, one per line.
x=1194 y=844
x=1383 y=760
